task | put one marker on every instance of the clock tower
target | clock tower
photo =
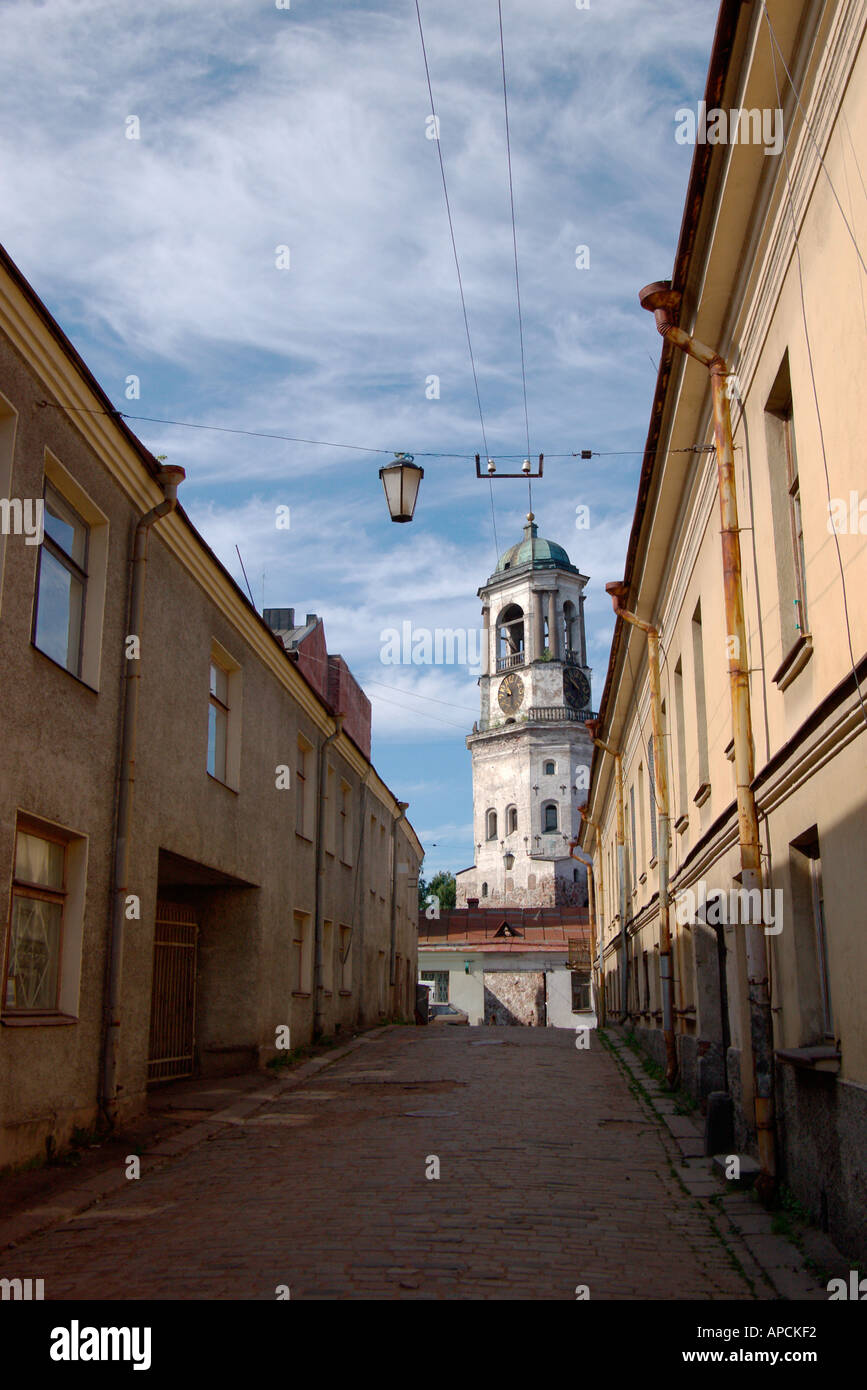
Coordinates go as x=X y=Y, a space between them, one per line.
x=530 y=750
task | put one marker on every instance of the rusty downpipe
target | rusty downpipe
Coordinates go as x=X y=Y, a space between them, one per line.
x=402 y=808
x=169 y=478
x=664 y=303
x=618 y=592
x=592 y=727
x=319 y=890
x=599 y=878
x=574 y=853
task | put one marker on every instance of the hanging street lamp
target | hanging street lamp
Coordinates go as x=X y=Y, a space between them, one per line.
x=400 y=480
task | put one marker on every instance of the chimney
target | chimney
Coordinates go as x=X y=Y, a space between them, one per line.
x=279 y=619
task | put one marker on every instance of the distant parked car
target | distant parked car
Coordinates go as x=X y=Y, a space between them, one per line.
x=447 y=1013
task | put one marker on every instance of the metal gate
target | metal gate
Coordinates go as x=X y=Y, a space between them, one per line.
x=173 y=1001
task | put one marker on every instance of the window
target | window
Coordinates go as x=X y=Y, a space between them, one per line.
x=580 y=991
x=61 y=583
x=346 y=958
x=344 y=824
x=218 y=722
x=224 y=711
x=8 y=422
x=328 y=956
x=32 y=982
x=484 y=890
x=491 y=825
x=570 y=624
x=69 y=597
x=382 y=980
x=511 y=819
x=811 y=943
x=700 y=706
x=303 y=798
x=550 y=770
x=510 y=637
x=651 y=788
x=786 y=509
x=681 y=738
x=42 y=965
x=575 y=875
x=330 y=811
x=549 y=816
x=440 y=980
x=301 y=944
x=632 y=815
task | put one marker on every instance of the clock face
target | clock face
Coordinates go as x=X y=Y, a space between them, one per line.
x=510 y=693
x=576 y=689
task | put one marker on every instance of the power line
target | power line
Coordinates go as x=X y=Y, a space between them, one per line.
x=457 y=262
x=323 y=661
x=809 y=128
x=450 y=722
x=226 y=429
x=810 y=361
x=363 y=448
x=514 y=227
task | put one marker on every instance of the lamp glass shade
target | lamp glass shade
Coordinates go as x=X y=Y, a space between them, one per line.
x=508 y=860
x=400 y=480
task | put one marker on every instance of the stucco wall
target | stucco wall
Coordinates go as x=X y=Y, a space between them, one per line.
x=234 y=853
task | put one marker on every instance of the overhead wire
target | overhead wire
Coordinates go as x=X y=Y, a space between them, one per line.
x=359 y=448
x=431 y=699
x=796 y=94
x=457 y=261
x=514 y=239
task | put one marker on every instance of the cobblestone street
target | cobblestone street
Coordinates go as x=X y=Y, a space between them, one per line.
x=553 y=1174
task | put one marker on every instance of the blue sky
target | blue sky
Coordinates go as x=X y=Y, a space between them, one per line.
x=306 y=128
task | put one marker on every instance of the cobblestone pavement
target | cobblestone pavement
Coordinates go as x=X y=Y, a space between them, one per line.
x=552 y=1175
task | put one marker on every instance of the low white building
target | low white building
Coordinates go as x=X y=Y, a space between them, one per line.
x=510 y=966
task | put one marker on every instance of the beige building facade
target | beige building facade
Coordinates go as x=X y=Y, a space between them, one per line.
x=769 y=275
x=238 y=878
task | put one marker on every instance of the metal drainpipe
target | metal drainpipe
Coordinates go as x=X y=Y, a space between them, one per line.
x=618 y=593
x=664 y=303
x=583 y=859
x=320 y=870
x=403 y=807
x=169 y=479
x=357 y=911
x=592 y=726
x=600 y=881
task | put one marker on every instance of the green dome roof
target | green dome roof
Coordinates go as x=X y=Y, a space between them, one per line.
x=534 y=550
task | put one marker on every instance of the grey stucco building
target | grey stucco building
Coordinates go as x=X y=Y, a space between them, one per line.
x=200 y=861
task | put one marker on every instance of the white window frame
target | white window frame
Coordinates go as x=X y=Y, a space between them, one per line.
x=95 y=573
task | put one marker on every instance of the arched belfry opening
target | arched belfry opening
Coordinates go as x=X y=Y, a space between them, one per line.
x=510 y=637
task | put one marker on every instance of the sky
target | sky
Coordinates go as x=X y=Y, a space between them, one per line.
x=241 y=207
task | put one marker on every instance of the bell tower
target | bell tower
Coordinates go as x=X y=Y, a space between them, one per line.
x=530 y=750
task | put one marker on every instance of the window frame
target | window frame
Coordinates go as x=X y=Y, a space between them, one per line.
x=79 y=573
x=215 y=703
x=24 y=888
